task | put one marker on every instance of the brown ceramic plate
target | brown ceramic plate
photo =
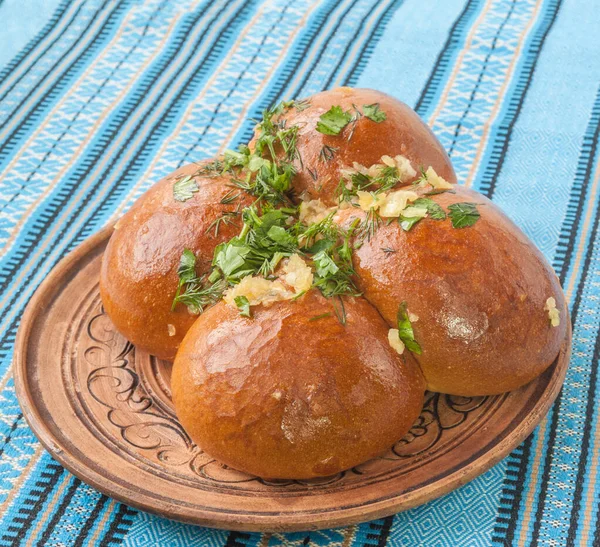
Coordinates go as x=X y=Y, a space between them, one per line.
x=103 y=410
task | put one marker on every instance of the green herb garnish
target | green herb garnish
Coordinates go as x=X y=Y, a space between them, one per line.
x=243 y=305
x=405 y=330
x=340 y=310
x=226 y=218
x=230 y=197
x=333 y=121
x=373 y=112
x=463 y=214
x=327 y=153
x=437 y=191
x=190 y=290
x=369 y=225
x=185 y=188
x=321 y=316
x=406 y=223
x=434 y=210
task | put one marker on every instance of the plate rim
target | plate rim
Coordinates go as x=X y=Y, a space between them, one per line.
x=484 y=459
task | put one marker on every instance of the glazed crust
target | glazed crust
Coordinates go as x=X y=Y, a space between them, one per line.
x=403 y=132
x=281 y=396
x=479 y=293
x=139 y=278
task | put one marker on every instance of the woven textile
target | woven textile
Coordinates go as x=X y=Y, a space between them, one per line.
x=99 y=98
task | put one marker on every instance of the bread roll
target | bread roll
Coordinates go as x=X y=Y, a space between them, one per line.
x=291 y=392
x=139 y=277
x=480 y=294
x=364 y=142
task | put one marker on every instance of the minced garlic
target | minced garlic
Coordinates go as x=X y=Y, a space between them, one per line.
x=439 y=183
x=553 y=312
x=395 y=342
x=392 y=204
x=171 y=329
x=405 y=170
x=297 y=274
x=314 y=211
x=367 y=201
x=297 y=277
x=258 y=290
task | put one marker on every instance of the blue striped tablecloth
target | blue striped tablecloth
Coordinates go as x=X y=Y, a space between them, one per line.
x=99 y=98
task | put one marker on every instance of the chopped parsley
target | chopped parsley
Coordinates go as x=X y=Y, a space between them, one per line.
x=185 y=188
x=405 y=330
x=406 y=223
x=373 y=112
x=434 y=210
x=243 y=305
x=463 y=214
x=333 y=121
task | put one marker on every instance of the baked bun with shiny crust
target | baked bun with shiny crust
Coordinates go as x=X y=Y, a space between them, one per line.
x=292 y=392
x=363 y=142
x=480 y=294
x=139 y=279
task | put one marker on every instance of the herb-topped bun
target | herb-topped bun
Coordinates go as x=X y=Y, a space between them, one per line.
x=192 y=209
x=473 y=299
x=293 y=392
x=361 y=129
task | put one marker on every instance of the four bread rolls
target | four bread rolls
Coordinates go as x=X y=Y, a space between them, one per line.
x=311 y=285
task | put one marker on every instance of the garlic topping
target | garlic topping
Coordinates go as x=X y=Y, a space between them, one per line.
x=439 y=183
x=553 y=313
x=296 y=277
x=392 y=204
x=395 y=342
x=405 y=169
x=314 y=211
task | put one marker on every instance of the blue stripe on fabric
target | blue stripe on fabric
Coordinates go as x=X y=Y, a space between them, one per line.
x=45 y=215
x=36 y=491
x=150 y=530
x=431 y=93
x=348 y=75
x=73 y=28
x=26 y=185
x=496 y=158
x=295 y=64
x=115 y=532
x=406 y=44
x=23 y=64
x=26 y=24
x=554 y=161
x=21 y=126
x=188 y=154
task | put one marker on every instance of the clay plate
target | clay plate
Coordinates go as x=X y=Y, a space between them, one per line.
x=103 y=410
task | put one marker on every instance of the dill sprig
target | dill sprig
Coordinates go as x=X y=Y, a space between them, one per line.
x=369 y=225
x=191 y=290
x=327 y=153
x=230 y=197
x=227 y=218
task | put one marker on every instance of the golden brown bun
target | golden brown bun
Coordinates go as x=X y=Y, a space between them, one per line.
x=139 y=277
x=403 y=132
x=281 y=396
x=479 y=293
